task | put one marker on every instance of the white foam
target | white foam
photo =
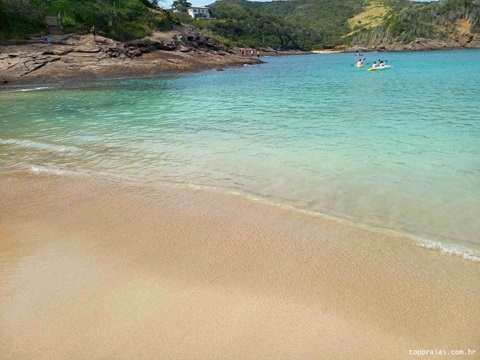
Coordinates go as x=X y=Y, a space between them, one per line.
x=448 y=249
x=443 y=247
x=41 y=146
x=32 y=89
x=43 y=169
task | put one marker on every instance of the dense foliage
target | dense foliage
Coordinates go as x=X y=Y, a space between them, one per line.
x=239 y=26
x=435 y=20
x=181 y=4
x=301 y=24
x=290 y=24
x=119 y=19
x=18 y=18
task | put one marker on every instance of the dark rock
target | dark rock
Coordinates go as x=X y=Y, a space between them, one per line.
x=148 y=46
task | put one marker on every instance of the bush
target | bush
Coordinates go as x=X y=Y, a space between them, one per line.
x=181 y=18
x=164 y=21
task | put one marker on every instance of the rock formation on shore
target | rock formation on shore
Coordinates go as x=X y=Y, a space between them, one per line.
x=467 y=41
x=89 y=57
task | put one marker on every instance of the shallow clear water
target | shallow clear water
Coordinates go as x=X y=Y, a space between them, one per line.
x=396 y=149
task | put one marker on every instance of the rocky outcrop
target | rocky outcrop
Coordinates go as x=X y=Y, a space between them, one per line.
x=194 y=40
x=466 y=41
x=88 y=56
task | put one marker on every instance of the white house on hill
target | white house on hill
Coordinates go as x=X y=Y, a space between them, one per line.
x=199 y=12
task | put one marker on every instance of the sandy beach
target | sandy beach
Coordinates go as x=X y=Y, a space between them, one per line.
x=96 y=270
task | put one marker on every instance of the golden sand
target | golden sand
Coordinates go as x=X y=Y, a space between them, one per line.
x=97 y=270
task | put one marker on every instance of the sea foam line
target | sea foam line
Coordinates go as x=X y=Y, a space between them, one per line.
x=41 y=146
x=28 y=89
x=43 y=169
x=446 y=249
x=417 y=240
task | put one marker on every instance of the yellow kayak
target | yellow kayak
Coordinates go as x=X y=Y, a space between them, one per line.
x=380 y=68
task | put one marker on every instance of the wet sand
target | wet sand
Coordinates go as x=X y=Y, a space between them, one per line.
x=92 y=269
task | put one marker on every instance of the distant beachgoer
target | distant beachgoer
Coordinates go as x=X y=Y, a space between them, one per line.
x=48 y=41
x=93 y=31
x=258 y=54
x=251 y=53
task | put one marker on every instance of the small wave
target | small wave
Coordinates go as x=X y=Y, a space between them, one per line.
x=38 y=88
x=33 y=89
x=41 y=146
x=46 y=170
x=444 y=248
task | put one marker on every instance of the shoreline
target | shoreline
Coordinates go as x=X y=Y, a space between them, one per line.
x=73 y=57
x=188 y=273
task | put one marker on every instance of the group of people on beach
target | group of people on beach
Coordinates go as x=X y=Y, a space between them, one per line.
x=250 y=52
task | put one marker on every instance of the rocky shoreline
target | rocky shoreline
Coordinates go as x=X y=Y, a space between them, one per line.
x=76 y=57
x=467 y=41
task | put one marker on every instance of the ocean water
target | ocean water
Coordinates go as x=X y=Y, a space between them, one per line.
x=395 y=150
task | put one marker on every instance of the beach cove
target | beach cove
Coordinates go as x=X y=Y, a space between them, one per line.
x=299 y=209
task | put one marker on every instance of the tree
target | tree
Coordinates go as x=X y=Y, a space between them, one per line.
x=151 y=3
x=181 y=4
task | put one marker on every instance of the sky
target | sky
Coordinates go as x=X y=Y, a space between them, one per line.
x=167 y=4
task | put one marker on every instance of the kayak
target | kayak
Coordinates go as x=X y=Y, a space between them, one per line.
x=359 y=66
x=380 y=68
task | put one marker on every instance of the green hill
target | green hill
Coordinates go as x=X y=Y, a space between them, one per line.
x=312 y=23
x=291 y=24
x=309 y=24
x=118 y=19
x=449 y=20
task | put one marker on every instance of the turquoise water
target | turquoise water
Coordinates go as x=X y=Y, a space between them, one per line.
x=397 y=149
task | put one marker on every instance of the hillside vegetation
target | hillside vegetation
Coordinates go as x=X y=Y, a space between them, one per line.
x=444 y=20
x=311 y=24
x=237 y=24
x=291 y=24
x=300 y=24
x=118 y=19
